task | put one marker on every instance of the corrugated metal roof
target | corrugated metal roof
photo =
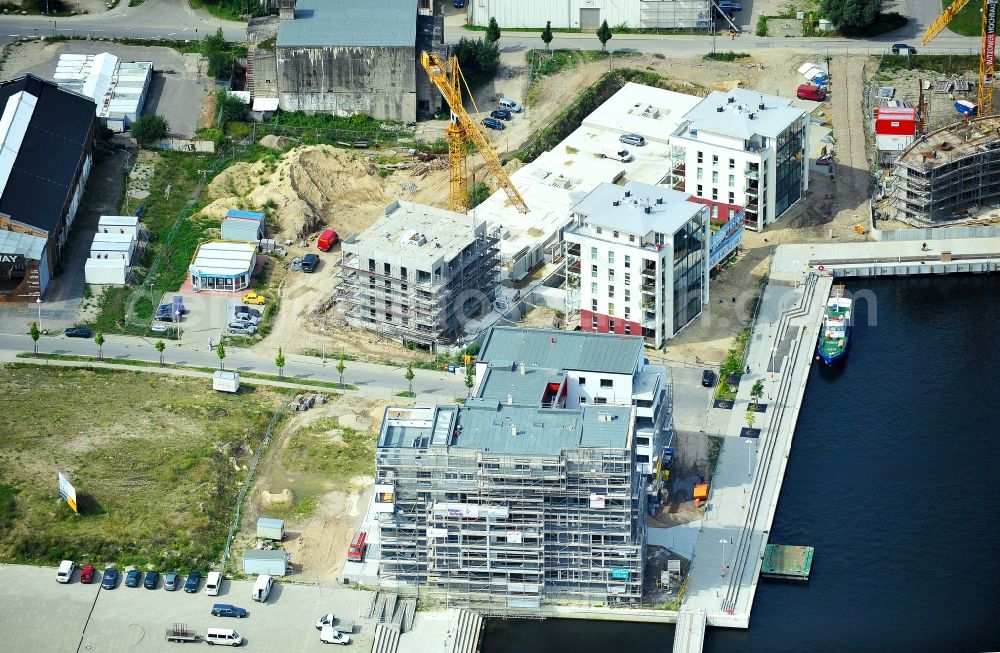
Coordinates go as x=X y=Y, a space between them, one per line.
x=250 y=215
x=29 y=246
x=562 y=350
x=270 y=556
x=351 y=23
x=270 y=522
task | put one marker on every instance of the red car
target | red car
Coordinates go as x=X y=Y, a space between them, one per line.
x=87 y=574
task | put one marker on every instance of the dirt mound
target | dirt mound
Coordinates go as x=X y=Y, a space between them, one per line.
x=284 y=498
x=275 y=142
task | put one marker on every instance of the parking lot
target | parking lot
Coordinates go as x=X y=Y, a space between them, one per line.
x=39 y=614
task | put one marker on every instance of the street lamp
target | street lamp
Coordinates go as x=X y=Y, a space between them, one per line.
x=39 y=302
x=177 y=320
x=749 y=442
x=723 y=542
x=322 y=344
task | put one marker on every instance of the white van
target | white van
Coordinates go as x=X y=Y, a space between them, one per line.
x=65 y=573
x=224 y=636
x=262 y=588
x=510 y=105
x=214 y=583
x=616 y=152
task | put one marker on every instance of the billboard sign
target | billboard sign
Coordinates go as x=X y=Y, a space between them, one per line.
x=990 y=41
x=620 y=574
x=67 y=492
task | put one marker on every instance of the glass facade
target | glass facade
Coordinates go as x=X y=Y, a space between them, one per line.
x=689 y=270
x=788 y=165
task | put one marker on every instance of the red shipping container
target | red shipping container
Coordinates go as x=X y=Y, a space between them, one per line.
x=900 y=121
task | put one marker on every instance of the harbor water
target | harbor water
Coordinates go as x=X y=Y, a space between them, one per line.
x=893 y=478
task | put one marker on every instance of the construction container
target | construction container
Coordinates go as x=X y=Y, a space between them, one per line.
x=269 y=528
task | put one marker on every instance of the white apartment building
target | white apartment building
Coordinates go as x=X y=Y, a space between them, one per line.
x=589 y=14
x=637 y=261
x=743 y=149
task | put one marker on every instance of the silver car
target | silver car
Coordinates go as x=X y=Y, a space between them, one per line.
x=632 y=139
x=244 y=328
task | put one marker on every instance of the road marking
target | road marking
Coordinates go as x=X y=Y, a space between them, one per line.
x=185 y=29
x=14 y=35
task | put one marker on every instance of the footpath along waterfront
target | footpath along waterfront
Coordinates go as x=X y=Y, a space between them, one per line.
x=892 y=477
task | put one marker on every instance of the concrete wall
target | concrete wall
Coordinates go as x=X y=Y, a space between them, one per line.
x=566 y=13
x=430 y=38
x=380 y=82
x=265 y=73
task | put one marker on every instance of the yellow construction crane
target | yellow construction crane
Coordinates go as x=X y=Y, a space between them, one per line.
x=987 y=55
x=449 y=81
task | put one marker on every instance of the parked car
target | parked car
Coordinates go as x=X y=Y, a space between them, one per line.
x=243 y=328
x=253 y=298
x=811 y=92
x=632 y=139
x=171 y=581
x=493 y=123
x=708 y=378
x=110 y=579
x=509 y=105
x=87 y=574
x=65 y=572
x=310 y=262
x=255 y=312
x=329 y=635
x=192 y=582
x=324 y=621
x=164 y=313
x=132 y=578
x=501 y=114
x=903 y=48
x=459 y=4
x=246 y=316
x=152 y=577
x=78 y=332
x=226 y=610
x=327 y=240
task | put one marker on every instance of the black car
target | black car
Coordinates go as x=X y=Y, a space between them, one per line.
x=501 y=114
x=78 y=332
x=192 y=582
x=110 y=580
x=226 y=610
x=903 y=48
x=152 y=577
x=132 y=578
x=493 y=123
x=708 y=378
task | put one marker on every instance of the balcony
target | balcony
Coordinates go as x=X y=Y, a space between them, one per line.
x=753 y=173
x=649 y=271
x=573 y=249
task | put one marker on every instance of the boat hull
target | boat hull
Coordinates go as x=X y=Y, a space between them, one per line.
x=834 y=356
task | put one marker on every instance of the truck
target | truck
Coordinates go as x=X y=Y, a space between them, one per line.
x=181 y=633
x=226 y=381
x=356 y=551
x=327 y=239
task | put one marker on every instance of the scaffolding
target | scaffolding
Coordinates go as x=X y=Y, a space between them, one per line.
x=946 y=175
x=502 y=533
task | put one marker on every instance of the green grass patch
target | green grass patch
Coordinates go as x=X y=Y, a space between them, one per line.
x=555 y=61
x=407 y=394
x=151 y=458
x=326 y=447
x=946 y=64
x=726 y=56
x=761 y=26
x=969 y=21
x=306 y=507
x=714 y=450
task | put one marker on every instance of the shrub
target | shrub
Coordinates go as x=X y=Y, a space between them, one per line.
x=148 y=129
x=479 y=60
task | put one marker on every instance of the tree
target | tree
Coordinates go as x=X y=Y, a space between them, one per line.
x=160 y=347
x=99 y=341
x=279 y=360
x=547 y=34
x=478 y=59
x=340 y=369
x=757 y=391
x=478 y=194
x=409 y=378
x=148 y=129
x=493 y=31
x=751 y=417
x=231 y=108
x=220 y=351
x=604 y=35
x=35 y=335
x=215 y=49
x=470 y=378
x=849 y=14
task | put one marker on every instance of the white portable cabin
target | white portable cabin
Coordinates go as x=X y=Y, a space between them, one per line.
x=126 y=225
x=269 y=528
x=226 y=381
x=106 y=271
x=108 y=249
x=271 y=563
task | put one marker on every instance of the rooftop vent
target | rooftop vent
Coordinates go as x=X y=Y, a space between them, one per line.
x=513 y=430
x=659 y=200
x=646 y=209
x=616 y=202
x=719 y=108
x=761 y=105
x=752 y=115
x=604 y=416
x=628 y=193
x=521 y=368
x=510 y=399
x=730 y=99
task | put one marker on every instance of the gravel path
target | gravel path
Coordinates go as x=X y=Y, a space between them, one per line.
x=852 y=172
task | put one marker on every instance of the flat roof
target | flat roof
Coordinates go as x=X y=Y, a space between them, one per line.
x=741 y=115
x=247 y=215
x=555 y=349
x=223 y=259
x=497 y=428
x=350 y=23
x=118 y=220
x=114 y=85
x=651 y=112
x=638 y=208
x=418 y=232
x=31 y=247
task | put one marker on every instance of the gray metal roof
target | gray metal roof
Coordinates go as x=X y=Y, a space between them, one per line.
x=270 y=522
x=498 y=428
x=562 y=350
x=31 y=247
x=743 y=117
x=523 y=389
x=254 y=554
x=383 y=23
x=669 y=210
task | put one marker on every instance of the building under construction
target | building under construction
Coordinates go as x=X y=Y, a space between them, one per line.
x=945 y=177
x=418 y=273
x=531 y=492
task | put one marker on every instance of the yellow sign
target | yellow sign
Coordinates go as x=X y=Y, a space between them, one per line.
x=67 y=492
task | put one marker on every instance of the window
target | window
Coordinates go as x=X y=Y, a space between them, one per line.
x=715 y=212
x=732 y=212
x=628 y=314
x=732 y=164
x=631 y=239
x=628 y=298
x=598 y=230
x=701 y=157
x=593 y=287
x=593 y=252
x=402 y=272
x=611 y=257
x=715 y=159
x=583 y=380
x=611 y=292
x=615 y=234
x=642 y=459
x=593 y=270
x=371 y=265
x=593 y=304
x=732 y=181
x=583 y=399
x=699 y=174
x=715 y=194
x=628 y=259
x=628 y=279
x=386 y=268
x=593 y=322
x=611 y=275
x=607 y=383
x=715 y=177
x=611 y=326
x=611 y=308
x=698 y=191
x=600 y=400
x=732 y=197
x=388 y=317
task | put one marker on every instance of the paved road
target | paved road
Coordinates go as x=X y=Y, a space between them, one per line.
x=372 y=380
